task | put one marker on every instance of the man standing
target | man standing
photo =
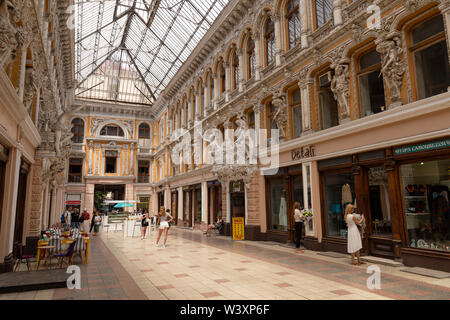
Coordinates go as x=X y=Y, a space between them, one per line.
x=75 y=218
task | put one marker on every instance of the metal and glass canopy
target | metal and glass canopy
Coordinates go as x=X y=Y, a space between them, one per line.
x=129 y=50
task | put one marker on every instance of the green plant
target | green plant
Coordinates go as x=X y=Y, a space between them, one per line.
x=99 y=198
x=307 y=213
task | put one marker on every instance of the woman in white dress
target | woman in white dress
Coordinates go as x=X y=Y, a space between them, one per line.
x=354 y=243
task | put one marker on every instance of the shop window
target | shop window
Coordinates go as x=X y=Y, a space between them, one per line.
x=328 y=105
x=144 y=203
x=426 y=202
x=296 y=106
x=112 y=131
x=144 y=131
x=143 y=171
x=278 y=207
x=251 y=58
x=338 y=191
x=78 y=130
x=269 y=40
x=186 y=201
x=293 y=23
x=110 y=164
x=235 y=71
x=429 y=49
x=198 y=194
x=324 y=8
x=75 y=170
x=371 y=86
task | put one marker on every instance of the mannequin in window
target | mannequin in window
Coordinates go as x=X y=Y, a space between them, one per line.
x=283 y=213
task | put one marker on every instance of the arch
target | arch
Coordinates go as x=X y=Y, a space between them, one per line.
x=144 y=131
x=78 y=127
x=245 y=31
x=264 y=11
x=122 y=133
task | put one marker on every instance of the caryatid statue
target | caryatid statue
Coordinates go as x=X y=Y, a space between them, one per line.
x=280 y=117
x=341 y=88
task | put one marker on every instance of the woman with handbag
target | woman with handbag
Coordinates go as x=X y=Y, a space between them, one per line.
x=145 y=221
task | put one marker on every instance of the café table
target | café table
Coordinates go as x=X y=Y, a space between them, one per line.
x=42 y=247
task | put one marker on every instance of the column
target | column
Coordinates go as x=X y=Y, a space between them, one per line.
x=10 y=202
x=23 y=62
x=54 y=204
x=38 y=106
x=257 y=39
x=89 y=198
x=337 y=12
x=242 y=75
x=315 y=199
x=207 y=101
x=227 y=81
x=205 y=203
x=190 y=111
x=132 y=160
x=168 y=199
x=91 y=154
x=258 y=109
x=278 y=39
x=304 y=23
x=216 y=90
x=304 y=86
x=180 y=203
x=228 y=202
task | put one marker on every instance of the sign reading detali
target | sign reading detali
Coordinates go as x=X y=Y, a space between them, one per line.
x=303 y=153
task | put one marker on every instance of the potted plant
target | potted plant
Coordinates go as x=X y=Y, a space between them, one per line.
x=309 y=226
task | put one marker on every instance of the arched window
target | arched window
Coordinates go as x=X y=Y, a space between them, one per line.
x=235 y=64
x=112 y=131
x=269 y=40
x=77 y=130
x=144 y=131
x=323 y=11
x=251 y=58
x=293 y=22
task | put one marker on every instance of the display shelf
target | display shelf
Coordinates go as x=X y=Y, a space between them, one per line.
x=415 y=197
x=417 y=214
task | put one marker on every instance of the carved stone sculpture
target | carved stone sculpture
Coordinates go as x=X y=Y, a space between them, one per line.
x=341 y=87
x=393 y=68
x=61 y=127
x=280 y=117
x=8 y=31
x=30 y=90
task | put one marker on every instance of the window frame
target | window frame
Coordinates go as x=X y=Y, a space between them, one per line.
x=288 y=16
x=269 y=38
x=361 y=72
x=120 y=130
x=235 y=66
x=144 y=127
x=76 y=132
x=316 y=20
x=292 y=106
x=146 y=178
x=318 y=92
x=424 y=44
x=80 y=175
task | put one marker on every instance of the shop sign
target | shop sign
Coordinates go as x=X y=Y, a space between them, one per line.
x=423 y=147
x=303 y=153
x=238 y=229
x=73 y=203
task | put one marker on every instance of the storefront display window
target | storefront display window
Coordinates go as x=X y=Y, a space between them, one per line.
x=198 y=194
x=144 y=203
x=339 y=191
x=426 y=202
x=278 y=205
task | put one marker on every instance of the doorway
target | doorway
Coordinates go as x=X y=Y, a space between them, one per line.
x=237 y=200
x=215 y=201
x=21 y=197
x=174 y=206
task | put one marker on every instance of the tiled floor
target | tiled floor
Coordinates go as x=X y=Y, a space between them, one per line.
x=194 y=267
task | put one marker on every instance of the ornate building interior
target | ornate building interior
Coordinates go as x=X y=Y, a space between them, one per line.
x=348 y=101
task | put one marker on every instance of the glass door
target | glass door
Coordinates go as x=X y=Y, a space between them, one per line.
x=379 y=206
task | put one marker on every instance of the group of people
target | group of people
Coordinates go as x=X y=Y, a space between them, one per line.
x=163 y=219
x=353 y=220
x=72 y=218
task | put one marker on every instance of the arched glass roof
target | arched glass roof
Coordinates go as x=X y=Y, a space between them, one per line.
x=129 y=50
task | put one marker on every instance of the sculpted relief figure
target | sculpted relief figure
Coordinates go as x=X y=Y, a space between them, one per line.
x=392 y=66
x=341 y=89
x=241 y=135
x=8 y=34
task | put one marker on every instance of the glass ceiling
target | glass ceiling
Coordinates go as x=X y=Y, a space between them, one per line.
x=129 y=50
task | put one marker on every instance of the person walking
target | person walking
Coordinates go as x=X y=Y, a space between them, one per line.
x=354 y=243
x=299 y=219
x=97 y=222
x=75 y=218
x=164 y=220
x=145 y=221
x=92 y=220
x=67 y=215
x=86 y=219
